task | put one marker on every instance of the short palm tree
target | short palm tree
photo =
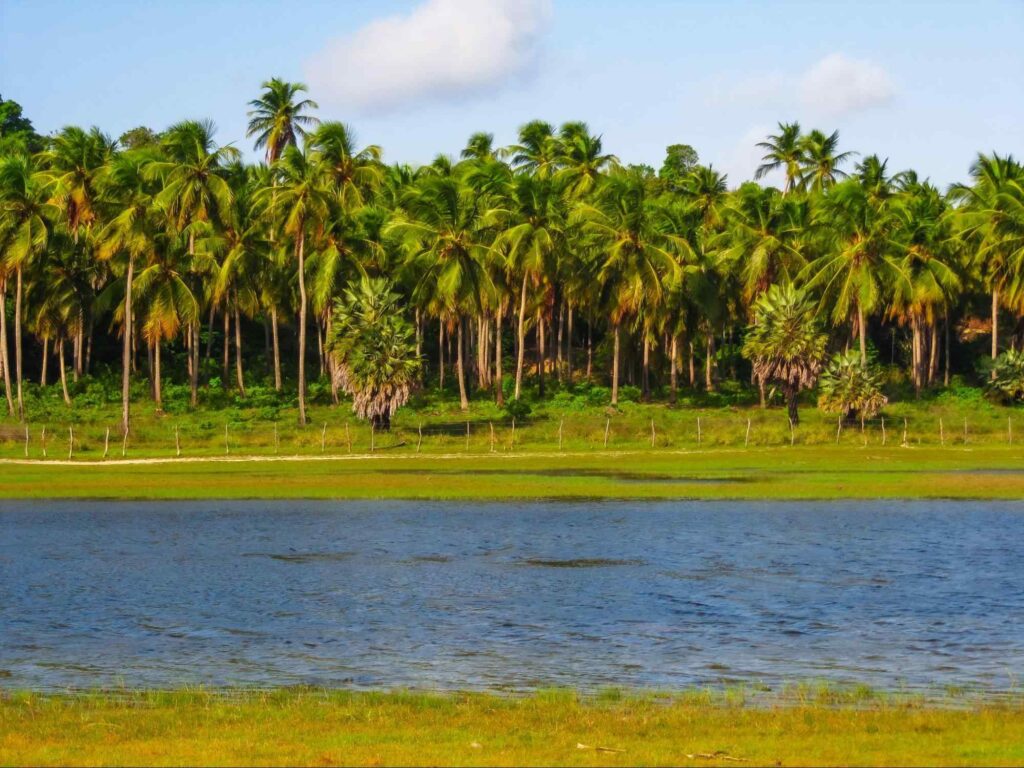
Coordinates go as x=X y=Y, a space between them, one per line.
x=850 y=388
x=785 y=343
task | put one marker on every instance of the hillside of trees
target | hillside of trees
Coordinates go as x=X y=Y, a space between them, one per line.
x=163 y=257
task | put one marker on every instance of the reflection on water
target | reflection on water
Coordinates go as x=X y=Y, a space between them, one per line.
x=441 y=595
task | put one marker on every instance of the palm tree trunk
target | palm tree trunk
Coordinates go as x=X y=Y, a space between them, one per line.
x=995 y=332
x=225 y=362
x=463 y=400
x=862 y=327
x=558 y=341
x=499 y=394
x=645 y=376
x=301 y=245
x=945 y=376
x=933 y=358
x=440 y=354
x=590 y=348
x=540 y=355
x=238 y=350
x=209 y=335
x=521 y=335
x=17 y=342
x=158 y=394
x=568 y=349
x=79 y=347
x=615 y=365
x=63 y=375
x=915 y=355
x=673 y=367
x=193 y=332
x=126 y=350
x=277 y=349
x=791 y=403
x=5 y=357
x=693 y=366
x=46 y=355
x=709 y=362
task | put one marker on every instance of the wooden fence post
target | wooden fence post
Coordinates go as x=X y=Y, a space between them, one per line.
x=839 y=429
x=883 y=430
x=373 y=436
x=512 y=442
x=1009 y=429
x=419 y=440
x=491 y=425
x=862 y=433
x=348 y=438
x=42 y=440
x=227 y=447
x=700 y=435
x=26 y=441
x=965 y=430
x=106 y=443
x=746 y=438
x=467 y=435
x=323 y=438
x=607 y=426
x=942 y=433
x=71 y=442
x=653 y=435
x=177 y=441
x=124 y=444
x=561 y=424
x=904 y=431
x=792 y=434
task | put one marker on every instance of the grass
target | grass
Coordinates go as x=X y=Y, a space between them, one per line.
x=299 y=727
x=802 y=472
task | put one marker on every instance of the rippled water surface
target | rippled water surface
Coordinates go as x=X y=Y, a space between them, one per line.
x=443 y=595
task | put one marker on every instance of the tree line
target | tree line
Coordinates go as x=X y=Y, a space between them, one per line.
x=547 y=260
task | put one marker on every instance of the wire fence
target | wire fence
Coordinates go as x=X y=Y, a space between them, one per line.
x=573 y=433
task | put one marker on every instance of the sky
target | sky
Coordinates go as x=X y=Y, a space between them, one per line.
x=925 y=84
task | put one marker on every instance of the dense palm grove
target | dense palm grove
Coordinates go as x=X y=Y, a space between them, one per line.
x=547 y=263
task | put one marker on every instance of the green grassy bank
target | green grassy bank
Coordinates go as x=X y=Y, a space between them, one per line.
x=812 y=727
x=800 y=472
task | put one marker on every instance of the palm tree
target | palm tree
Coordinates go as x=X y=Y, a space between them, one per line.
x=857 y=267
x=439 y=224
x=537 y=151
x=278 y=119
x=785 y=343
x=131 y=234
x=821 y=161
x=637 y=252
x=784 y=150
x=582 y=160
x=26 y=221
x=300 y=197
x=355 y=173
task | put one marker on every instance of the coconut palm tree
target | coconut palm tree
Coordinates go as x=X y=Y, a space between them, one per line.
x=355 y=173
x=820 y=169
x=785 y=343
x=537 y=151
x=785 y=150
x=26 y=223
x=439 y=224
x=300 y=199
x=581 y=158
x=278 y=118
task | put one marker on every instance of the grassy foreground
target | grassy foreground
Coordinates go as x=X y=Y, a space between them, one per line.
x=548 y=728
x=800 y=472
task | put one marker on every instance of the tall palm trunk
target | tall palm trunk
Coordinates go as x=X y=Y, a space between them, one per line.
x=17 y=341
x=126 y=350
x=995 y=333
x=5 y=357
x=915 y=352
x=46 y=355
x=440 y=354
x=615 y=365
x=933 y=357
x=568 y=349
x=158 y=391
x=238 y=349
x=945 y=333
x=63 y=374
x=558 y=342
x=463 y=400
x=645 y=376
x=301 y=247
x=693 y=366
x=590 y=347
x=521 y=335
x=225 y=361
x=709 y=363
x=277 y=349
x=499 y=394
x=862 y=327
x=540 y=355
x=673 y=367
x=193 y=332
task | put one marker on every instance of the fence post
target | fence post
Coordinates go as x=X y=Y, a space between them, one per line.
x=491 y=425
x=792 y=434
x=323 y=438
x=71 y=442
x=561 y=424
x=512 y=442
x=26 y=441
x=467 y=435
x=839 y=429
x=746 y=438
x=904 y=431
x=1009 y=429
x=373 y=436
x=700 y=434
x=348 y=438
x=942 y=433
x=862 y=433
x=177 y=441
x=124 y=444
x=227 y=448
x=883 y=430
x=42 y=440
x=607 y=426
x=965 y=430
x=106 y=443
x=653 y=435
x=419 y=440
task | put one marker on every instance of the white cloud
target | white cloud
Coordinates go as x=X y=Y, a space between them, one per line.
x=442 y=49
x=833 y=86
x=838 y=85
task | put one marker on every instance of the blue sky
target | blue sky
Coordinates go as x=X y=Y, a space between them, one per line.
x=927 y=84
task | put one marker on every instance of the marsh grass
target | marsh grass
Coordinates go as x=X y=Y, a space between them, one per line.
x=809 y=724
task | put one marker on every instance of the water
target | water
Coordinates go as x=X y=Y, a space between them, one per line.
x=453 y=595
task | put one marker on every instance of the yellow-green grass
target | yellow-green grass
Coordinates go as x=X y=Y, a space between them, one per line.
x=546 y=728
x=802 y=472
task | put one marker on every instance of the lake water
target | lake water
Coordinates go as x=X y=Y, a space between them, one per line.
x=454 y=595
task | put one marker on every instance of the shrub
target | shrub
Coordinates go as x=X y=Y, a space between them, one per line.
x=1008 y=380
